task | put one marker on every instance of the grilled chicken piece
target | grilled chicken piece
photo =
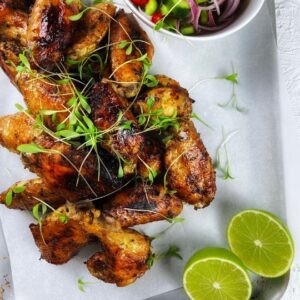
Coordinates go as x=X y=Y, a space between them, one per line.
x=16 y=130
x=49 y=30
x=128 y=75
x=39 y=189
x=13 y=24
x=60 y=166
x=191 y=171
x=124 y=256
x=59 y=241
x=24 y=5
x=106 y=107
x=150 y=157
x=142 y=204
x=39 y=93
x=169 y=98
x=124 y=252
x=92 y=28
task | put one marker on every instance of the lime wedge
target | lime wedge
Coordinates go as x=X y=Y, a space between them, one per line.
x=217 y=274
x=262 y=242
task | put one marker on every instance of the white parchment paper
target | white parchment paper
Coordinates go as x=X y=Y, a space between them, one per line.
x=255 y=158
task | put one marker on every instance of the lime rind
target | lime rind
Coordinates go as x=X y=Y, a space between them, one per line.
x=219 y=256
x=282 y=228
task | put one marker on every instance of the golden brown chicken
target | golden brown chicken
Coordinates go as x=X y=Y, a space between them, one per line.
x=59 y=240
x=50 y=29
x=24 y=5
x=124 y=252
x=128 y=74
x=13 y=24
x=189 y=167
x=92 y=28
x=124 y=142
x=142 y=204
x=39 y=93
x=168 y=98
x=59 y=164
x=37 y=189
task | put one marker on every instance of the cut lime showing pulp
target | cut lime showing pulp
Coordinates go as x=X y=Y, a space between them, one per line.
x=262 y=242
x=216 y=274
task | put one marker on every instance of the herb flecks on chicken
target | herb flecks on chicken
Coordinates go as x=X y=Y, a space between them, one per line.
x=112 y=145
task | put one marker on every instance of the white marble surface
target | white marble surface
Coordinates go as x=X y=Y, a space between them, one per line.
x=288 y=33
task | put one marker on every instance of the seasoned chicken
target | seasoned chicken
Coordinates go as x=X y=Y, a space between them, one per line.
x=24 y=5
x=13 y=24
x=16 y=130
x=92 y=28
x=126 y=142
x=59 y=241
x=37 y=189
x=168 y=98
x=142 y=204
x=60 y=165
x=190 y=169
x=128 y=75
x=39 y=93
x=49 y=30
x=124 y=256
x=124 y=252
x=150 y=157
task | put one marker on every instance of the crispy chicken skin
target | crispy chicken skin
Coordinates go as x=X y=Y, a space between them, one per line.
x=58 y=241
x=92 y=28
x=13 y=24
x=39 y=93
x=124 y=256
x=106 y=106
x=49 y=30
x=124 y=252
x=191 y=171
x=24 y=5
x=151 y=157
x=36 y=189
x=60 y=166
x=16 y=130
x=142 y=204
x=128 y=75
x=169 y=97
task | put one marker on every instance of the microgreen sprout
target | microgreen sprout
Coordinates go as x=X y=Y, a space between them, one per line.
x=151 y=172
x=14 y=190
x=232 y=103
x=225 y=168
x=172 y=251
x=195 y=116
x=82 y=284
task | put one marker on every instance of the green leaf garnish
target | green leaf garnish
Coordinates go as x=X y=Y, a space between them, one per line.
x=30 y=148
x=8 y=198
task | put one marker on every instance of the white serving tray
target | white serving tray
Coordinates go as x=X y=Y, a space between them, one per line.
x=255 y=154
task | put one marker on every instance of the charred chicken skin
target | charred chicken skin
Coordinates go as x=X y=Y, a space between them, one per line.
x=191 y=171
x=117 y=172
x=49 y=30
x=124 y=252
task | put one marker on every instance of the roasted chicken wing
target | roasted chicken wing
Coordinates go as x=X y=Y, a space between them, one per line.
x=190 y=168
x=49 y=30
x=92 y=28
x=124 y=141
x=168 y=98
x=127 y=73
x=124 y=252
x=142 y=204
x=13 y=24
x=38 y=189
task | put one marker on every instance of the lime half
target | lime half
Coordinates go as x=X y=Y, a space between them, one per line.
x=262 y=242
x=217 y=274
